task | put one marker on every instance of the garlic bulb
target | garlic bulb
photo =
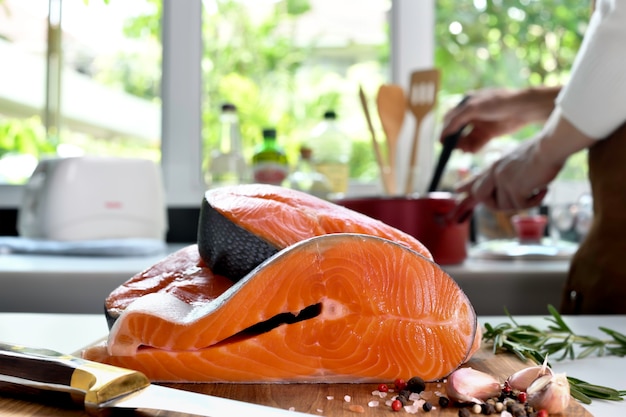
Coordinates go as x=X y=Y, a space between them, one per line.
x=522 y=379
x=549 y=392
x=467 y=385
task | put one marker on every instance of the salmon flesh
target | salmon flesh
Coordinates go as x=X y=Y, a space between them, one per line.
x=241 y=226
x=340 y=307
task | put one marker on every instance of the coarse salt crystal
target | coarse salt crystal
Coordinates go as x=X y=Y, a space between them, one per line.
x=330 y=397
x=380 y=394
x=373 y=403
x=292 y=408
x=411 y=409
x=347 y=398
x=427 y=395
x=319 y=410
x=414 y=396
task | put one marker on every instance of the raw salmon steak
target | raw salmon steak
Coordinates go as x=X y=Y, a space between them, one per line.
x=333 y=308
x=182 y=274
x=241 y=226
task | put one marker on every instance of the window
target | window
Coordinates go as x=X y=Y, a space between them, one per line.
x=182 y=88
x=284 y=63
x=105 y=82
x=76 y=82
x=182 y=155
x=22 y=87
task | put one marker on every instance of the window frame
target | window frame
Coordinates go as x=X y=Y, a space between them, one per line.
x=181 y=120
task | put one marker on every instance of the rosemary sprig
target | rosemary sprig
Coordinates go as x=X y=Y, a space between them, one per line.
x=530 y=342
x=584 y=391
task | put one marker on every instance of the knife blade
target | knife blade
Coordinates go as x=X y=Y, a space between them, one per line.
x=100 y=387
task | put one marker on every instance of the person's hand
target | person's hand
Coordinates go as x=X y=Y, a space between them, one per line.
x=520 y=179
x=491 y=113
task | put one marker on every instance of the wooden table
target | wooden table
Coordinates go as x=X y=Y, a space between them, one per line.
x=76 y=331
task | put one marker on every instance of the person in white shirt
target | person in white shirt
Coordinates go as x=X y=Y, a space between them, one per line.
x=587 y=112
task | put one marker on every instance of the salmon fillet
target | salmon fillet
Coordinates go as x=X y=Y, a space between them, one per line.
x=182 y=274
x=241 y=226
x=333 y=308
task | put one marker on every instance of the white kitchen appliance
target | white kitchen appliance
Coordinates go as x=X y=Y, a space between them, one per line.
x=87 y=198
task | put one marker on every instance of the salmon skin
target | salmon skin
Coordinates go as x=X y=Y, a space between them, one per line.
x=182 y=274
x=332 y=308
x=241 y=226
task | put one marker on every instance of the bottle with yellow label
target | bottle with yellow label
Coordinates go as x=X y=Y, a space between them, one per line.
x=331 y=151
x=306 y=178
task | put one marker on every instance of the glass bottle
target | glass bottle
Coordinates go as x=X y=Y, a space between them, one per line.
x=269 y=162
x=227 y=165
x=306 y=178
x=331 y=150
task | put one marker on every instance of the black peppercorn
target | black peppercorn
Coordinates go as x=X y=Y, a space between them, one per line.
x=416 y=384
x=427 y=406
x=518 y=410
x=404 y=400
x=444 y=402
x=405 y=393
x=488 y=409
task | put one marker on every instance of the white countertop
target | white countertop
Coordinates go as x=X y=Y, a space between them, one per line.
x=68 y=333
x=79 y=284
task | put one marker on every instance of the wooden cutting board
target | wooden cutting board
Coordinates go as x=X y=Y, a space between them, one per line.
x=316 y=399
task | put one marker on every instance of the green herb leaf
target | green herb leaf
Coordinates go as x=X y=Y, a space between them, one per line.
x=530 y=342
x=594 y=391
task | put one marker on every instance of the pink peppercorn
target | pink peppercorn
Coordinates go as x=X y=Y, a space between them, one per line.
x=396 y=405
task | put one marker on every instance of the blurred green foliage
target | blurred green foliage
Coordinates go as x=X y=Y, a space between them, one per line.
x=252 y=61
x=514 y=43
x=24 y=136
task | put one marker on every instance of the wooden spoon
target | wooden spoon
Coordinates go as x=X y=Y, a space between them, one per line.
x=422 y=98
x=391 y=103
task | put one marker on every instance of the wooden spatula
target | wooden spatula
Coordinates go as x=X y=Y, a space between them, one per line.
x=422 y=99
x=384 y=169
x=391 y=103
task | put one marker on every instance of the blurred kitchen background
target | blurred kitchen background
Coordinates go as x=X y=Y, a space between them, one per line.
x=147 y=78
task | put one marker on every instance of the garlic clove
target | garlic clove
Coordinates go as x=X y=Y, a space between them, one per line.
x=467 y=385
x=522 y=379
x=549 y=392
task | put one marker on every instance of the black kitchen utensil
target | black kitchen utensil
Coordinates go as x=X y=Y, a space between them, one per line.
x=449 y=143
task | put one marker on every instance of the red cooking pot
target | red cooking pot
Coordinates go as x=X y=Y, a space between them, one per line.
x=425 y=218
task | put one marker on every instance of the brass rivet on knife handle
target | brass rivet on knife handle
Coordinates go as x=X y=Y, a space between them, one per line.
x=103 y=383
x=87 y=382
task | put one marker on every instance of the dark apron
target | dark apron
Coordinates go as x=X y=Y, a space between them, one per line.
x=596 y=283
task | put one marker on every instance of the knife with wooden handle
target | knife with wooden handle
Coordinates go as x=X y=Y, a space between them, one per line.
x=101 y=388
